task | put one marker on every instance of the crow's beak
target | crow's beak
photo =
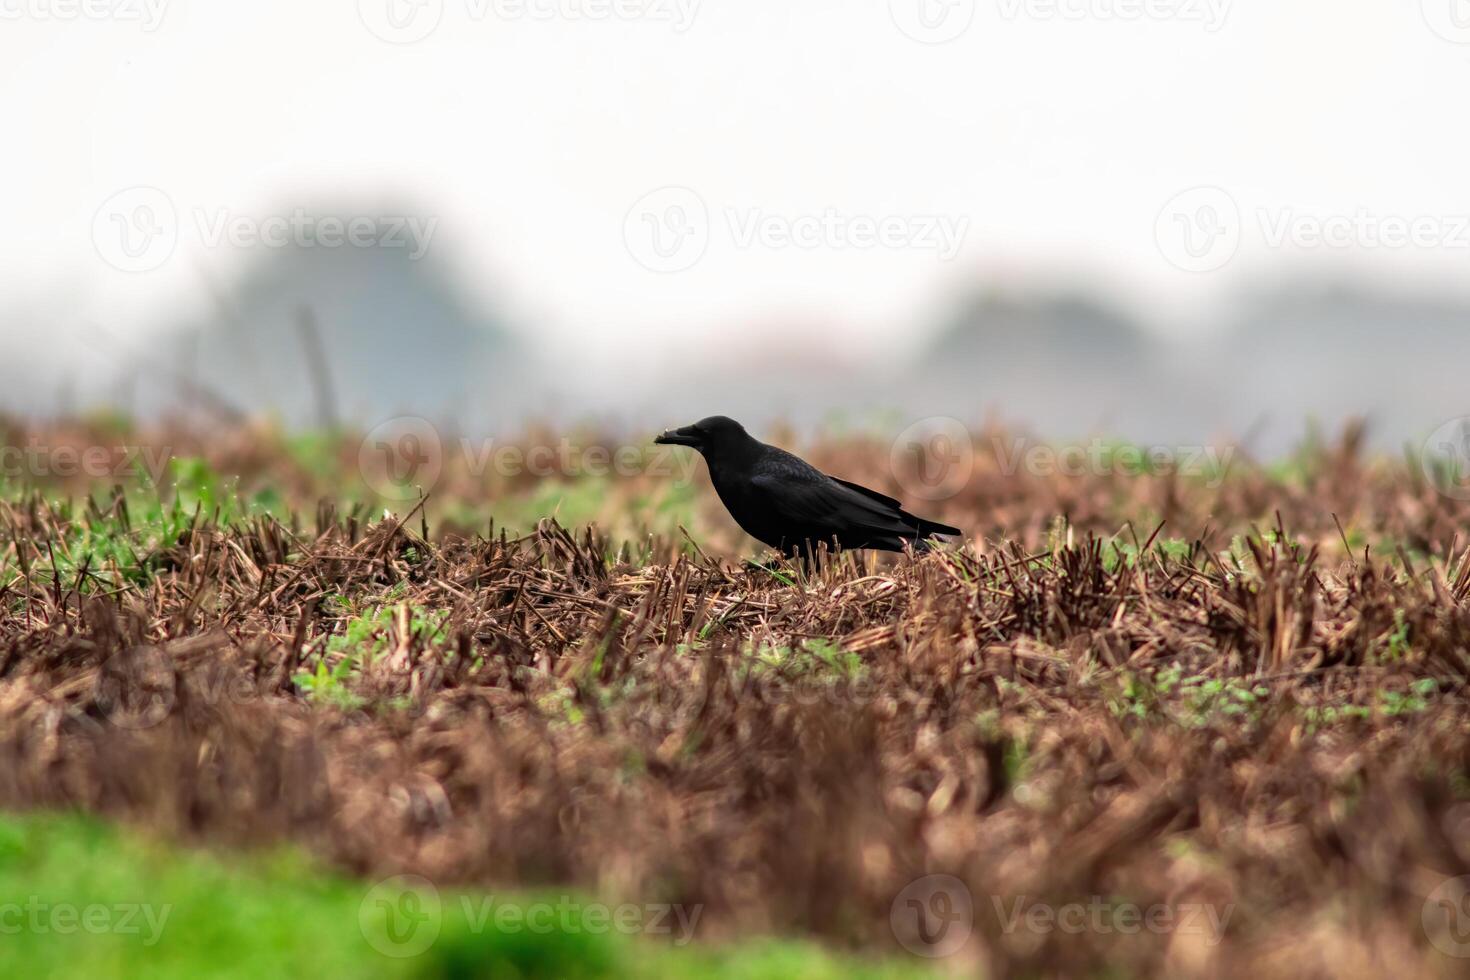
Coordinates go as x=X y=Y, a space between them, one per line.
x=687 y=436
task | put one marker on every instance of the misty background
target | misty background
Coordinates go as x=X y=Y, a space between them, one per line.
x=1186 y=221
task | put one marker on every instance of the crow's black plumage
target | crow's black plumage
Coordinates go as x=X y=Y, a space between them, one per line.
x=787 y=503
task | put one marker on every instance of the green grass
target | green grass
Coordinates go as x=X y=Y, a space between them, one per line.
x=79 y=898
x=817 y=656
x=1167 y=695
x=362 y=639
x=122 y=546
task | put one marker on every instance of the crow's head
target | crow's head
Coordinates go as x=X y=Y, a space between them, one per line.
x=707 y=434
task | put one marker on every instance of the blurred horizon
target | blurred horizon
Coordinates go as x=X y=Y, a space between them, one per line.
x=1186 y=224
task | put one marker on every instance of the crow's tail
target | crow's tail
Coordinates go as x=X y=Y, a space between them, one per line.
x=926 y=529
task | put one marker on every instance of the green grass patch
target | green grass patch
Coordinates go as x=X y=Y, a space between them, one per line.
x=80 y=898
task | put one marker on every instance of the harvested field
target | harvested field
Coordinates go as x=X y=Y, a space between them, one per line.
x=1151 y=724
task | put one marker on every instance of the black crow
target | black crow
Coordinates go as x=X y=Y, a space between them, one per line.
x=792 y=506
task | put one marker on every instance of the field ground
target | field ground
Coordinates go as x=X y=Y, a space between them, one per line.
x=1141 y=723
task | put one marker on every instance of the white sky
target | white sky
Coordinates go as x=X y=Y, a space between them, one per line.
x=1058 y=138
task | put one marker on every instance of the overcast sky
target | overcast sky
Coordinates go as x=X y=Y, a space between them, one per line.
x=819 y=166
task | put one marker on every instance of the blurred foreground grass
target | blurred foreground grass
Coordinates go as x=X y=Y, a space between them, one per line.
x=80 y=898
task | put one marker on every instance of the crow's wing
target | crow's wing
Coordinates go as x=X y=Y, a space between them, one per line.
x=921 y=525
x=883 y=499
x=800 y=495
